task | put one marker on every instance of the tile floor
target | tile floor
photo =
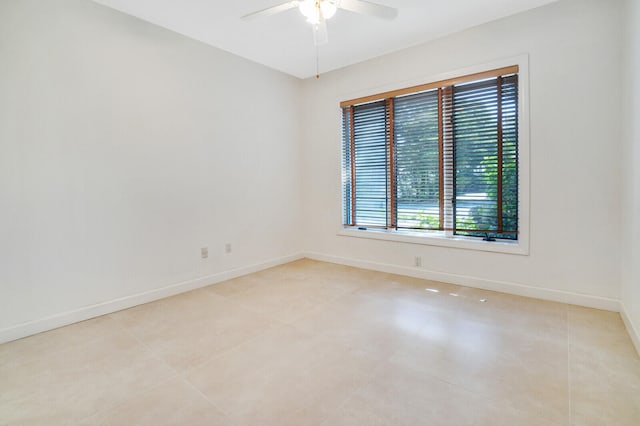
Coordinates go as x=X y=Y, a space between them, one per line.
x=314 y=343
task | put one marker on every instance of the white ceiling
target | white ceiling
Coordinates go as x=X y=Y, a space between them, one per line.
x=285 y=41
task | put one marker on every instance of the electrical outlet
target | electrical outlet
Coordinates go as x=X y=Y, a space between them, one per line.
x=204 y=252
x=227 y=248
x=418 y=261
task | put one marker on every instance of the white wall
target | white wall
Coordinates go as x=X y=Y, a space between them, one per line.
x=631 y=163
x=574 y=49
x=124 y=148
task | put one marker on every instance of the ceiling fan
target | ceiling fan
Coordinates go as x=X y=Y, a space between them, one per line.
x=318 y=11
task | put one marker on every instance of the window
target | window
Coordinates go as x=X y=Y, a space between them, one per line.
x=440 y=158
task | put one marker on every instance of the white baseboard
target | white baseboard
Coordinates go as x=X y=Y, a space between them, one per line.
x=87 y=312
x=634 y=332
x=468 y=281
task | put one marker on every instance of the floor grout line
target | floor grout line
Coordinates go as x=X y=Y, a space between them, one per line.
x=569 y=381
x=176 y=372
x=127 y=332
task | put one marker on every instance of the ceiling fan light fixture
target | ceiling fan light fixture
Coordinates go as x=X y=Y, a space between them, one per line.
x=309 y=10
x=317 y=10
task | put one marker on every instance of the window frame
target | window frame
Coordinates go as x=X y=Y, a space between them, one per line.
x=443 y=238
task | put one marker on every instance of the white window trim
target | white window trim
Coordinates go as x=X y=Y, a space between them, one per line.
x=519 y=247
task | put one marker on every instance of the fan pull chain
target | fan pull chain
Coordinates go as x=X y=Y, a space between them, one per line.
x=317 y=62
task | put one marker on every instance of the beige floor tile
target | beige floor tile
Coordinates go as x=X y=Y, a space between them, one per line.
x=294 y=270
x=604 y=369
x=188 y=329
x=284 y=376
x=605 y=389
x=308 y=267
x=236 y=285
x=68 y=385
x=397 y=395
x=72 y=336
x=530 y=371
x=518 y=313
x=380 y=325
x=287 y=300
x=378 y=341
x=601 y=403
x=598 y=331
x=174 y=402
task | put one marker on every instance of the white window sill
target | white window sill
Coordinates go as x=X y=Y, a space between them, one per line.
x=438 y=239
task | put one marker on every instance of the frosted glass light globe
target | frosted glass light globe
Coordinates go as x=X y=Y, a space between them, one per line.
x=308 y=9
x=328 y=9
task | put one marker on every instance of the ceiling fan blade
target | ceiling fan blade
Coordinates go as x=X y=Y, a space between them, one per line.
x=320 y=33
x=272 y=10
x=368 y=8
